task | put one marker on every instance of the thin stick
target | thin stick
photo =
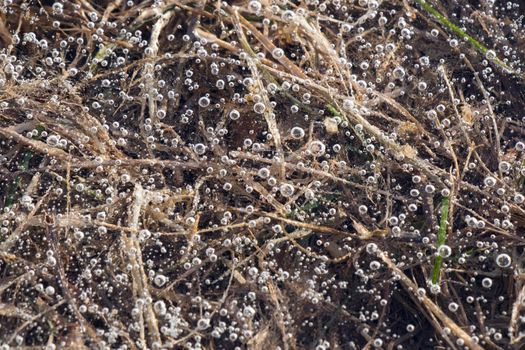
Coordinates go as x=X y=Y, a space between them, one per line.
x=133 y=252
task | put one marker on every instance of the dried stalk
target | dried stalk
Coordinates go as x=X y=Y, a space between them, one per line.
x=133 y=254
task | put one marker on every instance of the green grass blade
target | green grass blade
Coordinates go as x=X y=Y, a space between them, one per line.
x=461 y=33
x=442 y=235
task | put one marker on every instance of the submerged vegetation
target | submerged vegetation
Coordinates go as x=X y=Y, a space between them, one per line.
x=262 y=174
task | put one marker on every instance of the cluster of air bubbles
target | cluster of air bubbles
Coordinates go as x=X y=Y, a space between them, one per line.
x=339 y=162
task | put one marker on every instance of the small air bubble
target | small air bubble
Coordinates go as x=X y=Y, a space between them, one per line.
x=503 y=260
x=317 y=148
x=200 y=149
x=297 y=132
x=490 y=55
x=277 y=53
x=259 y=108
x=204 y=101
x=444 y=251
x=234 y=114
x=286 y=190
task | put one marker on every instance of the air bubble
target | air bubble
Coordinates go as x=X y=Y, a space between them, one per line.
x=203 y=323
x=160 y=280
x=486 y=282
x=504 y=166
x=234 y=114
x=297 y=132
x=199 y=148
x=399 y=73
x=286 y=190
x=444 y=251
x=277 y=53
x=263 y=173
x=453 y=307
x=52 y=140
x=259 y=108
x=371 y=248
x=490 y=55
x=317 y=148
x=204 y=101
x=503 y=260
x=489 y=181
x=375 y=265
x=248 y=312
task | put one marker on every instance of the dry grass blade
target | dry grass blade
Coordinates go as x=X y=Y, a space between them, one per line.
x=140 y=281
